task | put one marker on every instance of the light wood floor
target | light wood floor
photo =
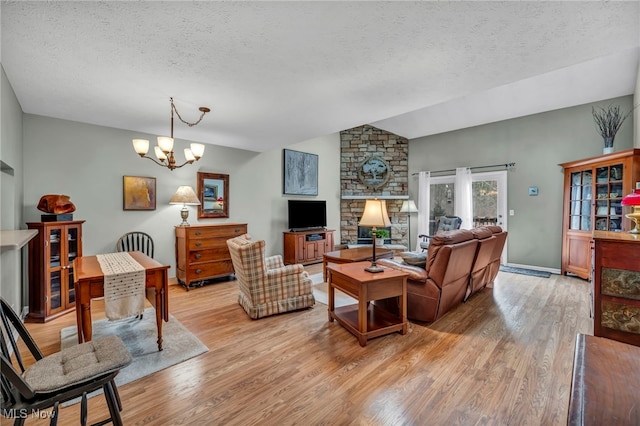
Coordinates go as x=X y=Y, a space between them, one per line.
x=503 y=358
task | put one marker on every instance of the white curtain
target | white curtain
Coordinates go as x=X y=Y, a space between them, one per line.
x=424 y=197
x=463 y=206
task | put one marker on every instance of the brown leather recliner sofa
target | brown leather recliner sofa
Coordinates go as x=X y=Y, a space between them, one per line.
x=459 y=263
x=494 y=263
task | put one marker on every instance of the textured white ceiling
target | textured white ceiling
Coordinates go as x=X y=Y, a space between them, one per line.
x=277 y=73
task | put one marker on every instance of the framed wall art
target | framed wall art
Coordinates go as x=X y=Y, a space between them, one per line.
x=139 y=193
x=300 y=173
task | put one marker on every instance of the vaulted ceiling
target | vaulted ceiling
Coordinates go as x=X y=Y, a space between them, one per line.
x=277 y=73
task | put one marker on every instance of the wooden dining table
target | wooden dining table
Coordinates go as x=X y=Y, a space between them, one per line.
x=89 y=284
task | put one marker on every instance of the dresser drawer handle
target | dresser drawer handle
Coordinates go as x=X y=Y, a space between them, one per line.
x=198 y=271
x=237 y=230
x=198 y=255
x=198 y=243
x=198 y=233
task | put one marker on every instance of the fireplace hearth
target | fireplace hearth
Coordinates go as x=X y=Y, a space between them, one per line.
x=364 y=235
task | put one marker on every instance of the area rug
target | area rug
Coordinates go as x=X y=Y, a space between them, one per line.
x=321 y=294
x=524 y=271
x=140 y=337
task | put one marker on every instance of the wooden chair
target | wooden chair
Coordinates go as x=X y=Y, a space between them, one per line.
x=136 y=241
x=51 y=380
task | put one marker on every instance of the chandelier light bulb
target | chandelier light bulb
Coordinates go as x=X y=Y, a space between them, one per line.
x=165 y=144
x=161 y=155
x=141 y=146
x=198 y=150
x=188 y=155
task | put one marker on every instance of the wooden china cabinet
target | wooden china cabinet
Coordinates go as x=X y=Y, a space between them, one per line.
x=593 y=191
x=51 y=253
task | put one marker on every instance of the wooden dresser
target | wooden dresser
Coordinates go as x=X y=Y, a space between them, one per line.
x=616 y=286
x=202 y=253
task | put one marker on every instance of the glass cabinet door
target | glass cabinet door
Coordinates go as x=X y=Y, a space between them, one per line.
x=54 y=254
x=55 y=290
x=580 y=201
x=609 y=193
x=72 y=253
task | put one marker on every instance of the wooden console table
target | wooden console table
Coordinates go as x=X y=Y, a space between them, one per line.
x=366 y=320
x=89 y=284
x=605 y=388
x=306 y=247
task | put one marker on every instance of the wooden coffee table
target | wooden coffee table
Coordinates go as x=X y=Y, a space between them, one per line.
x=357 y=254
x=365 y=320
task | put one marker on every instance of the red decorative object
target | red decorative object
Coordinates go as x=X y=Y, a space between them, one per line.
x=633 y=200
x=56 y=204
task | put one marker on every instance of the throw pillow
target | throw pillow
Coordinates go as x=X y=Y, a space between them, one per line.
x=414 y=259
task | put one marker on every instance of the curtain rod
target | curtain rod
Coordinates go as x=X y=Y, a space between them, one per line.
x=505 y=165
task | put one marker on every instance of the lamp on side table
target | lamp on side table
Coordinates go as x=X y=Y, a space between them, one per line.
x=375 y=215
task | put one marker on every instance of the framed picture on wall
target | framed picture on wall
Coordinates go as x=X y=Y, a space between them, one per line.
x=139 y=193
x=299 y=173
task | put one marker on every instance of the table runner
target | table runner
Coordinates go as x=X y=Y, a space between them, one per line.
x=123 y=285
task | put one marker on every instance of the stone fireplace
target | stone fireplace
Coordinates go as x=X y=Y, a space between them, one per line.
x=364 y=235
x=359 y=147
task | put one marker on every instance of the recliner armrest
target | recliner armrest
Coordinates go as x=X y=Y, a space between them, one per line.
x=415 y=272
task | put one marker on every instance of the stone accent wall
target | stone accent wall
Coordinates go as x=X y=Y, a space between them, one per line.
x=357 y=145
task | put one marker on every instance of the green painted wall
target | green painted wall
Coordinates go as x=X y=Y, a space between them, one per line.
x=537 y=144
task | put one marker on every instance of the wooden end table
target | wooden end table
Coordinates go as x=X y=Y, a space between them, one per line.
x=357 y=254
x=365 y=320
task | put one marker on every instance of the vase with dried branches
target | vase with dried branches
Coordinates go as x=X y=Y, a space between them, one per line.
x=608 y=121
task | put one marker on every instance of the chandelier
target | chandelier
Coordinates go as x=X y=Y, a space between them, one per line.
x=164 y=149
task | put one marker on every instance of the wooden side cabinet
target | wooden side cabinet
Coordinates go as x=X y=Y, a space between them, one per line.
x=307 y=247
x=593 y=191
x=51 y=254
x=202 y=252
x=616 y=286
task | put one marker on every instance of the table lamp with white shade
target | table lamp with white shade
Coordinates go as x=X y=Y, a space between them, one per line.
x=375 y=215
x=187 y=197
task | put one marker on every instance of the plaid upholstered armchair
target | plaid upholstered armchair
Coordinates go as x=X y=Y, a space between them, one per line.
x=267 y=286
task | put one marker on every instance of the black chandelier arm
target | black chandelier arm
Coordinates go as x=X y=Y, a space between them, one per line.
x=183 y=164
x=168 y=165
x=155 y=161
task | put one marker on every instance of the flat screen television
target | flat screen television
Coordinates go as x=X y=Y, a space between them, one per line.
x=307 y=214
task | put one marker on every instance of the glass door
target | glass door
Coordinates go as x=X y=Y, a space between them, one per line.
x=489 y=198
x=442 y=200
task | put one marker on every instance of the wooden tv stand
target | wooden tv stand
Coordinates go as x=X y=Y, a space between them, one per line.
x=307 y=247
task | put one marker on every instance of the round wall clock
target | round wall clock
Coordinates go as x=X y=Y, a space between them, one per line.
x=374 y=172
